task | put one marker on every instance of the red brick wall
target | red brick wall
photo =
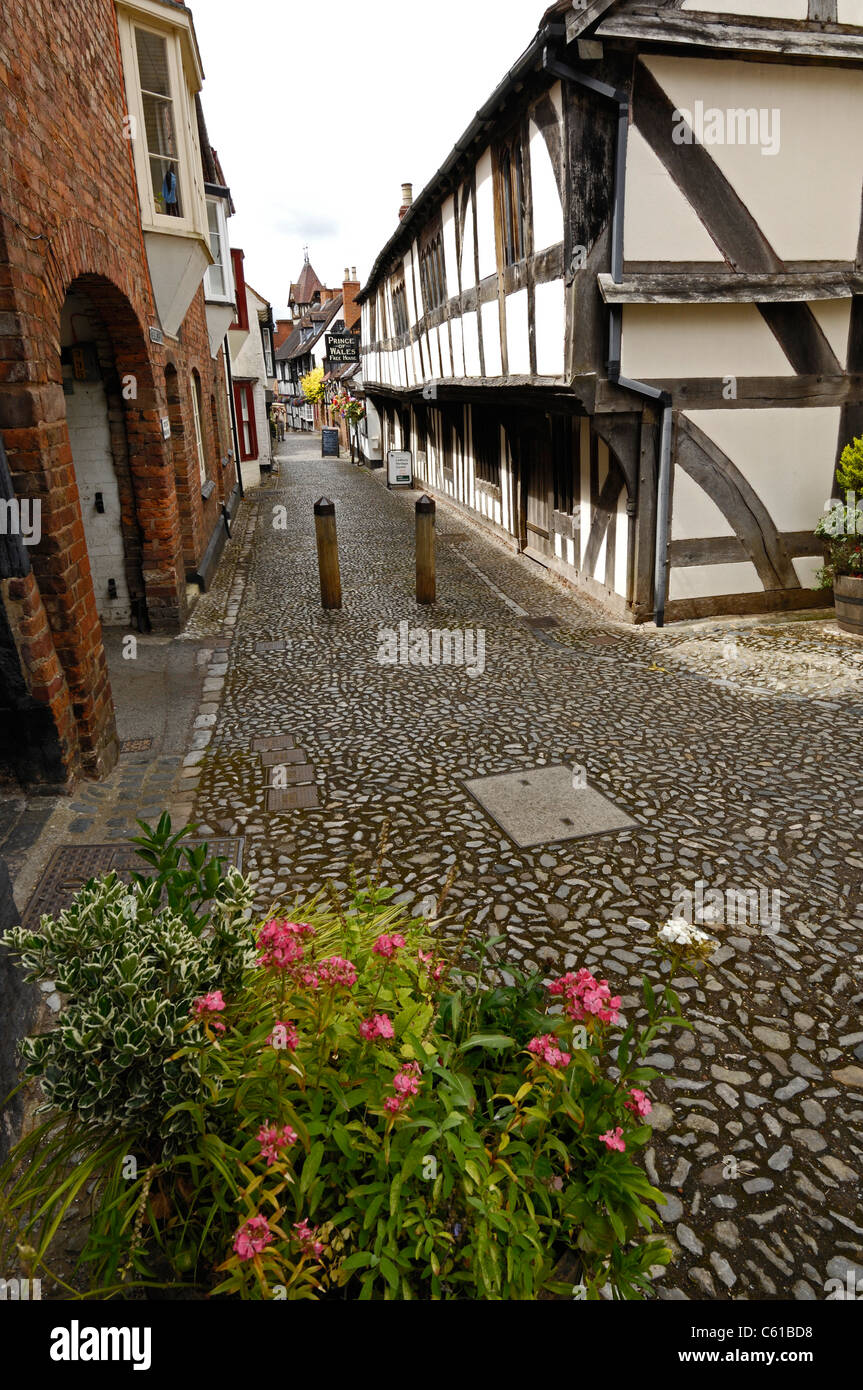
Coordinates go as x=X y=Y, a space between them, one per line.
x=69 y=216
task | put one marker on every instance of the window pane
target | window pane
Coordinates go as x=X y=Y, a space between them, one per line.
x=153 y=62
x=216 y=272
x=159 y=122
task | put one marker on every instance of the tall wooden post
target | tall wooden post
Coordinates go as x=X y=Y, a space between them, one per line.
x=328 y=553
x=425 y=513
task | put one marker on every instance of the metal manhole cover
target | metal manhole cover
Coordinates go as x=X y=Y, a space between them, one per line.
x=293 y=798
x=278 y=756
x=543 y=620
x=70 y=866
x=541 y=805
x=136 y=745
x=601 y=639
x=270 y=742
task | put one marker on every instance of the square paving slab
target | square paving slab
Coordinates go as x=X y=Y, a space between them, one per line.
x=540 y=805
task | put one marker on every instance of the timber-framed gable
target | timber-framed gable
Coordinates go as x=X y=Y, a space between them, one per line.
x=654 y=285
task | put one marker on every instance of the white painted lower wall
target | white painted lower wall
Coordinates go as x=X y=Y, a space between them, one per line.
x=89 y=436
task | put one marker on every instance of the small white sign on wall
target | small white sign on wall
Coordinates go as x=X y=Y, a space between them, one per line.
x=166 y=427
x=399 y=468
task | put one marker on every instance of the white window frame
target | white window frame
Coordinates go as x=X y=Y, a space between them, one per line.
x=194 y=219
x=199 y=436
x=267 y=348
x=225 y=296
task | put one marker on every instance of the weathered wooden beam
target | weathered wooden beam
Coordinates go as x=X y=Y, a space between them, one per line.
x=726 y=287
x=716 y=32
x=762 y=601
x=766 y=392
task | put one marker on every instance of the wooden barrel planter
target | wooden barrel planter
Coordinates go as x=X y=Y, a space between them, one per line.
x=848 y=594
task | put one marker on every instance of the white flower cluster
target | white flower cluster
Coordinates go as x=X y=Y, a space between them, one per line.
x=678 y=932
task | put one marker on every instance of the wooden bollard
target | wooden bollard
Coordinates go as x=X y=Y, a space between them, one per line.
x=328 y=553
x=425 y=512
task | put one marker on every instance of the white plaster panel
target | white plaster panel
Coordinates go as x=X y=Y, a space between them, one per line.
x=471 y=345
x=806 y=567
x=457 y=348
x=806 y=195
x=787 y=456
x=697 y=340
x=449 y=247
x=621 y=557
x=550 y=328
x=90 y=440
x=850 y=12
x=706 y=581
x=695 y=516
x=834 y=316
x=659 y=222
x=491 y=338
x=468 y=268
x=517 y=342
x=584 y=505
x=485 y=216
x=547 y=208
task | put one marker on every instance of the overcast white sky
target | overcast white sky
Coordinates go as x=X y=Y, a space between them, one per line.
x=320 y=109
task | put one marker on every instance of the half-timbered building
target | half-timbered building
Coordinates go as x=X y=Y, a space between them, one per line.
x=623 y=323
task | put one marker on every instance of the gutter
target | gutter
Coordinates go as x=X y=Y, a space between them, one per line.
x=553 y=65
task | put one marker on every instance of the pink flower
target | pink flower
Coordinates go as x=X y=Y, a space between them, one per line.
x=335 y=972
x=210 y=1004
x=273 y=1140
x=306 y=1237
x=378 y=1026
x=387 y=946
x=613 y=1139
x=586 y=997
x=406 y=1085
x=545 y=1047
x=638 y=1103
x=280 y=943
x=406 y=1081
x=435 y=971
x=284 y=1035
x=253 y=1237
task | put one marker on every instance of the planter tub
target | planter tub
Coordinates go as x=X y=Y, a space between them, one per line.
x=848 y=593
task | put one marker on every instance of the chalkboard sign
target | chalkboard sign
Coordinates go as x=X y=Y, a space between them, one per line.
x=329 y=444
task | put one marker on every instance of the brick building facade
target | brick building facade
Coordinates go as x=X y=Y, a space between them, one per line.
x=132 y=472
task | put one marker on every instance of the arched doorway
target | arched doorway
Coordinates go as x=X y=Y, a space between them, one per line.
x=97 y=437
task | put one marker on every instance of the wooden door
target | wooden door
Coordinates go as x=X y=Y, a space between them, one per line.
x=537 y=493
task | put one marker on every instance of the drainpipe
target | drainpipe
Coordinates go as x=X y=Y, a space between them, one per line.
x=562 y=70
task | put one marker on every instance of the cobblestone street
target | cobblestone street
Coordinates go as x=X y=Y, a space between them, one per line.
x=725 y=744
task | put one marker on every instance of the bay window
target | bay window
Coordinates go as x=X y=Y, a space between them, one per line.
x=160 y=122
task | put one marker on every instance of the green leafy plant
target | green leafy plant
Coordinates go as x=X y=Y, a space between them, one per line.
x=346 y=1111
x=841 y=528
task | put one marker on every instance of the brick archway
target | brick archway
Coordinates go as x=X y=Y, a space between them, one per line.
x=51 y=612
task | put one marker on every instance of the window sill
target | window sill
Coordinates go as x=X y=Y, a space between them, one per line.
x=208 y=489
